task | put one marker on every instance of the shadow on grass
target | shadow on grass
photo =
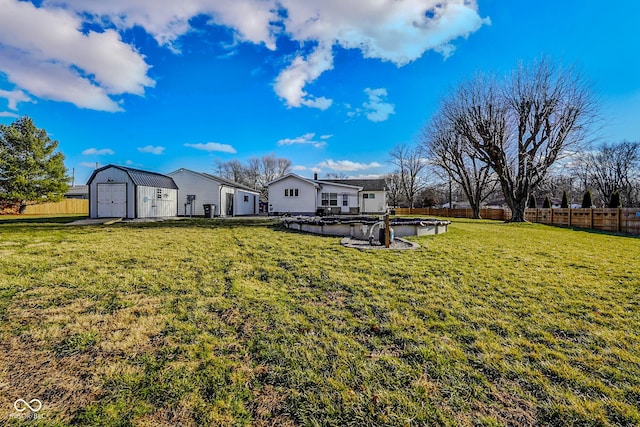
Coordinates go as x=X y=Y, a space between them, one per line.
x=14 y=219
x=202 y=223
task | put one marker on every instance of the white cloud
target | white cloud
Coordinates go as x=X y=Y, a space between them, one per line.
x=151 y=149
x=377 y=110
x=395 y=31
x=167 y=20
x=14 y=97
x=347 y=165
x=96 y=152
x=46 y=53
x=92 y=165
x=299 y=168
x=305 y=139
x=8 y=114
x=213 y=146
x=290 y=83
x=325 y=137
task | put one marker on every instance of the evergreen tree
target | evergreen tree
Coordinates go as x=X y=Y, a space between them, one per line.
x=532 y=204
x=30 y=167
x=587 y=201
x=565 y=200
x=614 y=201
x=547 y=203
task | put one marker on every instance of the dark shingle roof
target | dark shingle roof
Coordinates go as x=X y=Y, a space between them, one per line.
x=140 y=177
x=377 y=184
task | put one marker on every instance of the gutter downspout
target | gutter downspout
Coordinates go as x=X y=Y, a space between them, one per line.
x=219 y=201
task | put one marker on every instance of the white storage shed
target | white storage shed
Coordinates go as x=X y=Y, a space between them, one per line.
x=122 y=192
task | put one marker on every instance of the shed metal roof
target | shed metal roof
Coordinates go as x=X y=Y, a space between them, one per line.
x=140 y=177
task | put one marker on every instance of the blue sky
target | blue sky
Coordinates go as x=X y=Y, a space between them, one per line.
x=332 y=85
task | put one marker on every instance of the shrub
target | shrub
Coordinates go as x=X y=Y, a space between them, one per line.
x=532 y=204
x=614 y=201
x=547 y=203
x=587 y=201
x=565 y=200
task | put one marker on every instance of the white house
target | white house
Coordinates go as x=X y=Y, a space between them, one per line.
x=121 y=192
x=295 y=195
x=226 y=198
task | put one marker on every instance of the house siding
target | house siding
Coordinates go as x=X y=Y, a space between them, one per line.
x=303 y=204
x=351 y=193
x=206 y=191
x=249 y=207
x=376 y=205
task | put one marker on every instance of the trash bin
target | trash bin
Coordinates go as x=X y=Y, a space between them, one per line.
x=381 y=236
x=208 y=210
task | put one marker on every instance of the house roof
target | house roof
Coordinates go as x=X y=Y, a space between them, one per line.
x=366 y=184
x=293 y=175
x=230 y=183
x=140 y=177
x=78 y=190
x=217 y=179
x=318 y=183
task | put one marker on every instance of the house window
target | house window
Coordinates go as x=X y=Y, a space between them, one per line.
x=345 y=200
x=290 y=192
x=372 y=195
x=296 y=192
x=158 y=193
x=365 y=196
x=246 y=199
x=329 y=199
x=286 y=192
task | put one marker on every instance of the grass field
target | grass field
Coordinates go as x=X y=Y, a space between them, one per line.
x=207 y=322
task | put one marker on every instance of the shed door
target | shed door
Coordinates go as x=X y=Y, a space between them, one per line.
x=112 y=200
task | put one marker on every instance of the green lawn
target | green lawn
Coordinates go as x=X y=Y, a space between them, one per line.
x=206 y=322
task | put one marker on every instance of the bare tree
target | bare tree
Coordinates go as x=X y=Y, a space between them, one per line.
x=410 y=162
x=272 y=167
x=522 y=124
x=452 y=153
x=392 y=183
x=232 y=170
x=256 y=173
x=612 y=168
x=336 y=175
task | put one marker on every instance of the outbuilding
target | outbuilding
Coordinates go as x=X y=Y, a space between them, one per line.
x=122 y=192
x=219 y=196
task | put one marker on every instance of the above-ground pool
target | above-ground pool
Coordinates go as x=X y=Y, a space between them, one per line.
x=360 y=227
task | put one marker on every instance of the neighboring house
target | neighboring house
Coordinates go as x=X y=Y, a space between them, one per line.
x=226 y=198
x=295 y=195
x=118 y=191
x=77 y=192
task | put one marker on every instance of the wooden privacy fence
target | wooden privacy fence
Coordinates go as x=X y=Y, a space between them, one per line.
x=617 y=220
x=486 y=213
x=66 y=206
